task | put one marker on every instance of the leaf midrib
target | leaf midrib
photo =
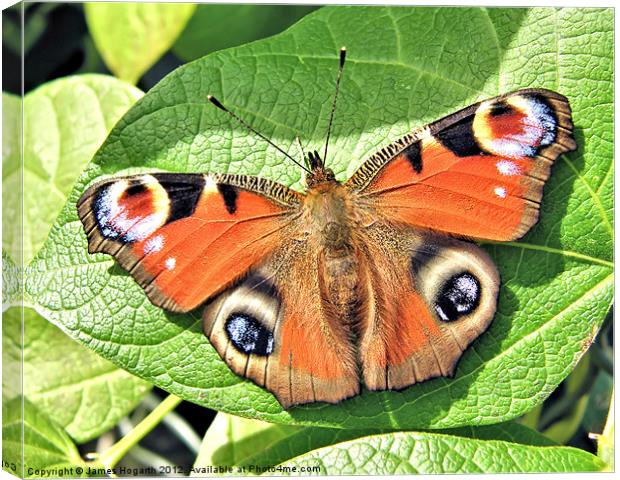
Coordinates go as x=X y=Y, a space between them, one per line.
x=555 y=251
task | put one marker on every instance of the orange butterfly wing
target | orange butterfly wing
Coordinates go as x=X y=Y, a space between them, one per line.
x=232 y=242
x=427 y=296
x=275 y=327
x=185 y=237
x=478 y=173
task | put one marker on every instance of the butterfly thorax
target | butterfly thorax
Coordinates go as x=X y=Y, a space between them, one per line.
x=328 y=215
x=327 y=208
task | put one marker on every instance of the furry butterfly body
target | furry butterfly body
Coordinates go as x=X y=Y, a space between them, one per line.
x=369 y=282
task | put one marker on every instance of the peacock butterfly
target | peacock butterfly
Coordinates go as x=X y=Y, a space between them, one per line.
x=372 y=281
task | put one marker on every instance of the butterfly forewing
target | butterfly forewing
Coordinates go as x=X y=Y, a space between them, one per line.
x=185 y=237
x=477 y=173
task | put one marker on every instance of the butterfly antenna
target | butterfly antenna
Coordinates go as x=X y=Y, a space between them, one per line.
x=343 y=54
x=301 y=151
x=219 y=105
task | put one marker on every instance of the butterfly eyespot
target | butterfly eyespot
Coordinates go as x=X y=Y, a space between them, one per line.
x=131 y=211
x=248 y=335
x=516 y=127
x=459 y=296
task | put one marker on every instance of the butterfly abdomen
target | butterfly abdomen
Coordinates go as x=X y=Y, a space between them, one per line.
x=338 y=277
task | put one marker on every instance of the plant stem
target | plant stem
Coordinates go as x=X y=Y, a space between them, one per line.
x=177 y=425
x=112 y=455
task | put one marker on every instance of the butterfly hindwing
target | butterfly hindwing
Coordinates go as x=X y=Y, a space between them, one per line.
x=184 y=237
x=428 y=296
x=478 y=173
x=275 y=328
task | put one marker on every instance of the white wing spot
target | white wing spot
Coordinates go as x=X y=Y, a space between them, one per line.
x=500 y=192
x=171 y=263
x=210 y=184
x=154 y=245
x=506 y=167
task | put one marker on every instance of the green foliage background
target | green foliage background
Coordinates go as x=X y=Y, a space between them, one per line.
x=406 y=67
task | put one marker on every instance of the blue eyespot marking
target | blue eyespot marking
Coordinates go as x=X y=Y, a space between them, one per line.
x=248 y=335
x=459 y=296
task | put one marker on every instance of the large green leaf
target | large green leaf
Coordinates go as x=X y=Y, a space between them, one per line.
x=132 y=36
x=405 y=453
x=12 y=191
x=406 y=66
x=29 y=436
x=65 y=121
